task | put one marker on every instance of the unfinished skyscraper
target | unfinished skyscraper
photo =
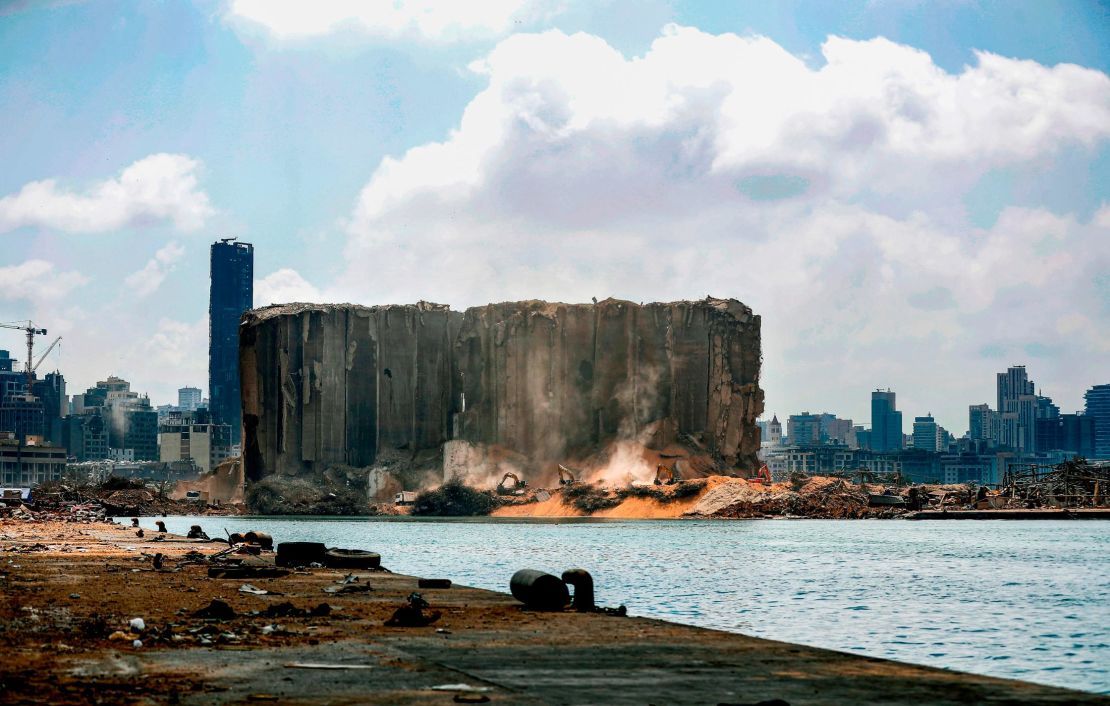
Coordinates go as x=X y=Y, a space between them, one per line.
x=231 y=294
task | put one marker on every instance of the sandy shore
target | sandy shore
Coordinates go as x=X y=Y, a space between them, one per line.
x=68 y=587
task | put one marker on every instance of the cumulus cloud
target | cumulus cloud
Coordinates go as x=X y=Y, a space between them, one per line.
x=829 y=198
x=156 y=189
x=284 y=286
x=429 y=19
x=149 y=279
x=38 y=281
x=180 y=347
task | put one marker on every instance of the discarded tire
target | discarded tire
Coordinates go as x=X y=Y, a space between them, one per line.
x=538 y=590
x=352 y=559
x=300 y=553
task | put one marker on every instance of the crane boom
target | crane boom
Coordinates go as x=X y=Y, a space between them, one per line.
x=43 y=356
x=28 y=328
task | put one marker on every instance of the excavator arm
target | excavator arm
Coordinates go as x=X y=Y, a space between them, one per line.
x=665 y=475
x=763 y=475
x=518 y=484
x=566 y=475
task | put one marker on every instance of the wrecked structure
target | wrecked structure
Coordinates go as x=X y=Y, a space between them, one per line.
x=384 y=388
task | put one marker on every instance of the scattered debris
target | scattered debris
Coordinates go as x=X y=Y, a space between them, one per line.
x=460 y=687
x=246 y=572
x=349 y=588
x=412 y=615
x=325 y=665
x=288 y=610
x=255 y=591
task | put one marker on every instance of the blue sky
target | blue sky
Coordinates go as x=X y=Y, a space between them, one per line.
x=920 y=253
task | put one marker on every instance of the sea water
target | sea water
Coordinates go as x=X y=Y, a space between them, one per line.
x=1020 y=599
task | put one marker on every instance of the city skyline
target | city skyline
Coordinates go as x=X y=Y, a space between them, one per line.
x=341 y=148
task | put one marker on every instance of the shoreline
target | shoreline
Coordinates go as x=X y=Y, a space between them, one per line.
x=61 y=650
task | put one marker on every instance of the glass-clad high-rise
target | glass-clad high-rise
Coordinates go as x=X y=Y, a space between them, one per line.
x=231 y=294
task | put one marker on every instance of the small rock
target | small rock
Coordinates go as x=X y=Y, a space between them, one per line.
x=137 y=643
x=216 y=610
x=75 y=596
x=137 y=625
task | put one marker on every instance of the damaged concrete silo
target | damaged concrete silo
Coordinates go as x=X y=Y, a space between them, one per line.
x=550 y=380
x=328 y=386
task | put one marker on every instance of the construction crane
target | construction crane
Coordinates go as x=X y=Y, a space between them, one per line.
x=28 y=328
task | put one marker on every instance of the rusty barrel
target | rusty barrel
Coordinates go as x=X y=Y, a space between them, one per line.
x=262 y=539
x=538 y=590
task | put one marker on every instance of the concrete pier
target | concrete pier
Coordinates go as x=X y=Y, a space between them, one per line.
x=69 y=587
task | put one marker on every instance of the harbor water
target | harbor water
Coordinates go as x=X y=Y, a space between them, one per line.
x=1018 y=599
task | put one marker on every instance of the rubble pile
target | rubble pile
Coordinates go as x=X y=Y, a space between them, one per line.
x=1073 y=483
x=60 y=501
x=454 y=499
x=313 y=495
x=71 y=512
x=827 y=497
x=818 y=498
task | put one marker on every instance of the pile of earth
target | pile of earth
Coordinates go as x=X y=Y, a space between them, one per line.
x=818 y=498
x=336 y=491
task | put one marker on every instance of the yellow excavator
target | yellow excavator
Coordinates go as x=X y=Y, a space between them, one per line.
x=517 y=487
x=566 y=475
x=665 y=475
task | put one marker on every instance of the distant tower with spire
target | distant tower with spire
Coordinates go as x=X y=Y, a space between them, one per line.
x=774 y=431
